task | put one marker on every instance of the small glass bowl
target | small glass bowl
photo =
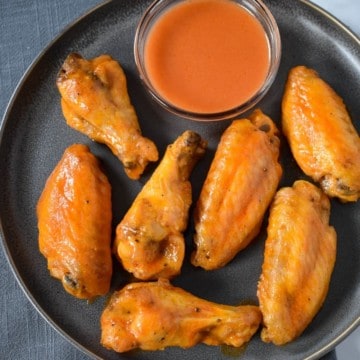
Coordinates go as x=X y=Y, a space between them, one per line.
x=257 y=9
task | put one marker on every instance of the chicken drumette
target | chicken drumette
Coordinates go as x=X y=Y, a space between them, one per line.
x=95 y=102
x=155 y=315
x=149 y=240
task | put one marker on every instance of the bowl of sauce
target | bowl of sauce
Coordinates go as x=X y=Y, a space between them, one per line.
x=207 y=59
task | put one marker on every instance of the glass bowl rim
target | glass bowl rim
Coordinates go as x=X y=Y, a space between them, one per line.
x=158 y=7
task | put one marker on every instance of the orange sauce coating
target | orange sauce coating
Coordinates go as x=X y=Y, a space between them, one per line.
x=207 y=56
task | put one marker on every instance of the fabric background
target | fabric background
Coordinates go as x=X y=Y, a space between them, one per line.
x=26 y=27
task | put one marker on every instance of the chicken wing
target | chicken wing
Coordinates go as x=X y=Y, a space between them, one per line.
x=321 y=135
x=155 y=315
x=299 y=258
x=74 y=221
x=149 y=241
x=239 y=187
x=95 y=102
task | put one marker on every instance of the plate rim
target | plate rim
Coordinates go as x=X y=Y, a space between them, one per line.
x=4 y=120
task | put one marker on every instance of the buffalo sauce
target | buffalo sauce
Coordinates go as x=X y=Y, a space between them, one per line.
x=207 y=56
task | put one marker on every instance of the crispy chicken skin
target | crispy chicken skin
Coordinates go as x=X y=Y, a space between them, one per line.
x=95 y=102
x=74 y=222
x=239 y=187
x=321 y=135
x=149 y=241
x=299 y=258
x=155 y=315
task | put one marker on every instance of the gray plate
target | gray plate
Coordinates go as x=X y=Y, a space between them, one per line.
x=34 y=136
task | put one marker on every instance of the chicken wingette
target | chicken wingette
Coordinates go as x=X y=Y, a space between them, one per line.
x=323 y=140
x=74 y=222
x=299 y=258
x=155 y=315
x=149 y=240
x=95 y=102
x=239 y=187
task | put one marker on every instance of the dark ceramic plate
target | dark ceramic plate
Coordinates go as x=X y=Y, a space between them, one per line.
x=34 y=136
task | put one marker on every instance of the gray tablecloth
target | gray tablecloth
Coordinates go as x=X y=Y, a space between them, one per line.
x=26 y=27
